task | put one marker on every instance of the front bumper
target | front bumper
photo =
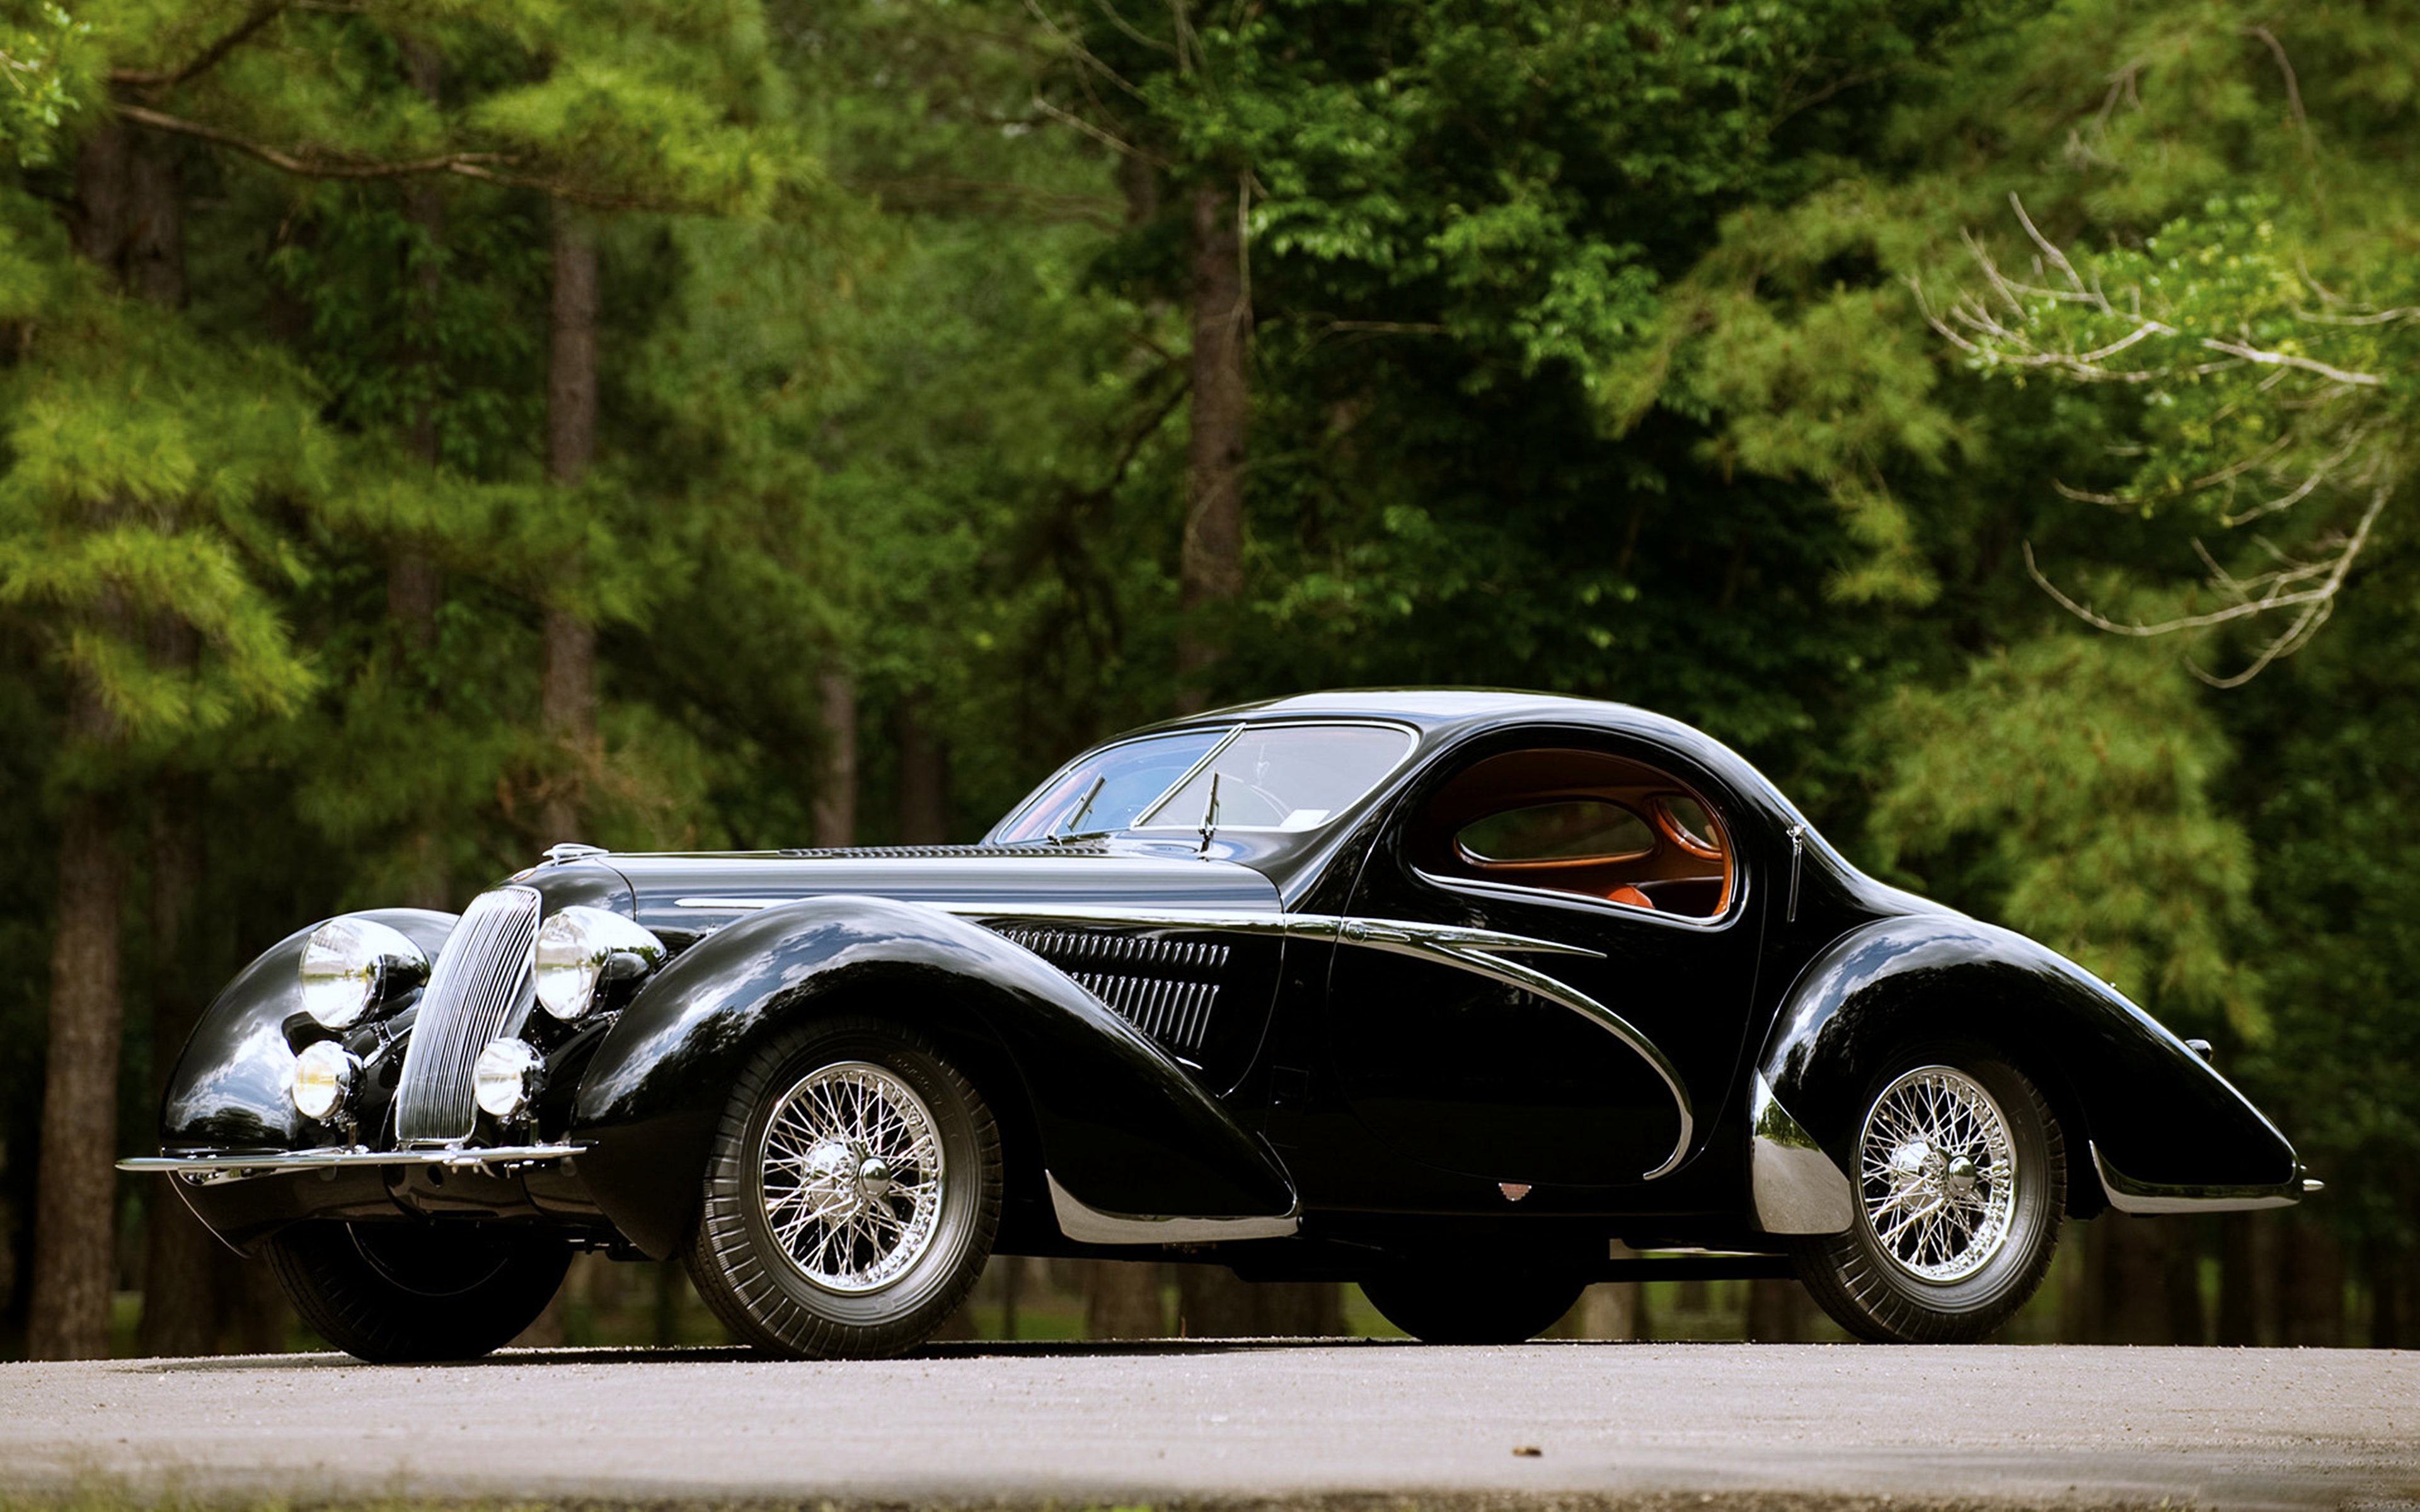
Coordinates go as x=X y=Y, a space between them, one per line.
x=244 y=1197
x=211 y=1170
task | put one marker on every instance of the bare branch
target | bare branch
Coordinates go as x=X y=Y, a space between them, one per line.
x=2253 y=354
x=2057 y=258
x=159 y=81
x=1114 y=143
x=2294 y=89
x=470 y=164
x=2267 y=593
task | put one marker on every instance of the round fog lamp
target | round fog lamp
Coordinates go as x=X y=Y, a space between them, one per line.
x=323 y=1073
x=504 y=1076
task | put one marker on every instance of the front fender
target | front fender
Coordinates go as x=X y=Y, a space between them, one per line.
x=2120 y=1082
x=1119 y=1124
x=227 y=1091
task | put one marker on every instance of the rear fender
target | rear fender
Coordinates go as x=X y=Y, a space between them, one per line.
x=2125 y=1089
x=1117 y=1122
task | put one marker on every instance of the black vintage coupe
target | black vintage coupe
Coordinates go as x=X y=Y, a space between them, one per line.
x=1472 y=997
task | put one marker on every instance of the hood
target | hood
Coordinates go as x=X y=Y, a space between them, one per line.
x=702 y=891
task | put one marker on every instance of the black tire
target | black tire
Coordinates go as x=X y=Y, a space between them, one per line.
x=870 y=1296
x=1875 y=1283
x=409 y=1293
x=1438 y=1307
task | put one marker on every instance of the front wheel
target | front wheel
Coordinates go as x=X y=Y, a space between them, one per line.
x=1962 y=1176
x=404 y=1293
x=1440 y=1307
x=851 y=1196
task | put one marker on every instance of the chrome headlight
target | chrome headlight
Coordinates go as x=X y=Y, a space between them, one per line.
x=323 y=1073
x=351 y=964
x=582 y=947
x=505 y=1077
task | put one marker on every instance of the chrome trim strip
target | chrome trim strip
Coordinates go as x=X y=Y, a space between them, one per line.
x=2127 y=1194
x=210 y=1170
x=1797 y=1188
x=1477 y=951
x=1090 y=1226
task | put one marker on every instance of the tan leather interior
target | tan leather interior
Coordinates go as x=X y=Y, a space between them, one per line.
x=1679 y=873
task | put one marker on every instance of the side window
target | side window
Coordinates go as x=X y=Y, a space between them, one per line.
x=1581 y=822
x=1577 y=829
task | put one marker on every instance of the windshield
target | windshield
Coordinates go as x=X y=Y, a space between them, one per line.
x=1130 y=777
x=1286 y=777
x=1282 y=778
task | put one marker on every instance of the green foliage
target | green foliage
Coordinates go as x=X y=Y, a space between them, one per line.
x=35 y=91
x=2085 y=774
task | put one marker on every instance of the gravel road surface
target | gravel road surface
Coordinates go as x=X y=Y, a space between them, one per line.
x=1231 y=1423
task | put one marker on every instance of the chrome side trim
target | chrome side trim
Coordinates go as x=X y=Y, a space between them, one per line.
x=2127 y=1194
x=211 y=1170
x=1477 y=951
x=1797 y=1188
x=1090 y=1226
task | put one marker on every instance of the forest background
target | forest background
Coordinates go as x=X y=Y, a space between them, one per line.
x=430 y=431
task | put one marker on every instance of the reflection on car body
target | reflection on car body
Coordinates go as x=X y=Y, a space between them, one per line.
x=1330 y=987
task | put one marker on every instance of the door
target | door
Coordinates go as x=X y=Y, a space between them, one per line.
x=1583 y=842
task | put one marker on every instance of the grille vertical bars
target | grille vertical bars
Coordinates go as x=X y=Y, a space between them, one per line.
x=482 y=980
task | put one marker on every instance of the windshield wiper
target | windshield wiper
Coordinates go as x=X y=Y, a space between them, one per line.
x=1209 y=816
x=1066 y=833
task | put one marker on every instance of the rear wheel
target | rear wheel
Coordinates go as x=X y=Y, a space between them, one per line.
x=851 y=1196
x=399 y=1293
x=1438 y=1307
x=1962 y=1176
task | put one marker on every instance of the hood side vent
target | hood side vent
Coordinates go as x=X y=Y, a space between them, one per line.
x=1166 y=988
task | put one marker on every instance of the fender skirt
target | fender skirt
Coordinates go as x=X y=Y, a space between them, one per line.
x=2123 y=1087
x=1119 y=1122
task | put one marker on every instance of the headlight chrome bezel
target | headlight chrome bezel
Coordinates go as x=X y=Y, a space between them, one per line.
x=580 y=948
x=351 y=966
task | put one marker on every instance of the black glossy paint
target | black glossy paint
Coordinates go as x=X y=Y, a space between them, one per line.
x=1119 y=1123
x=1871 y=1005
x=1394 y=1094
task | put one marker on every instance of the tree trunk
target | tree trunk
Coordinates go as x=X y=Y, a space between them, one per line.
x=2310 y=1286
x=180 y=1316
x=127 y=218
x=76 y=1209
x=2242 y=1280
x=1122 y=1300
x=924 y=777
x=567 y=679
x=2135 y=1306
x=415 y=588
x=1778 y=1310
x=835 y=804
x=1211 y=565
x=1613 y=1310
x=1213 y=1302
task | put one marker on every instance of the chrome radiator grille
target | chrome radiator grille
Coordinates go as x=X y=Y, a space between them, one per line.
x=1145 y=980
x=481 y=984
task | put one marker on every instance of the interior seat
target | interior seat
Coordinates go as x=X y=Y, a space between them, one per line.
x=1630 y=895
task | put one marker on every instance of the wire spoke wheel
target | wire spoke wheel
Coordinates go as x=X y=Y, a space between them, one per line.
x=850 y=1175
x=1960 y=1172
x=851 y=1194
x=1937 y=1174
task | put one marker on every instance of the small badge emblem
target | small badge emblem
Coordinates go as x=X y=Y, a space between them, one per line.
x=1514 y=1191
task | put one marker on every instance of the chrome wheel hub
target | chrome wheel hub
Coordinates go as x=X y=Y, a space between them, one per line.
x=1937 y=1175
x=849 y=1175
